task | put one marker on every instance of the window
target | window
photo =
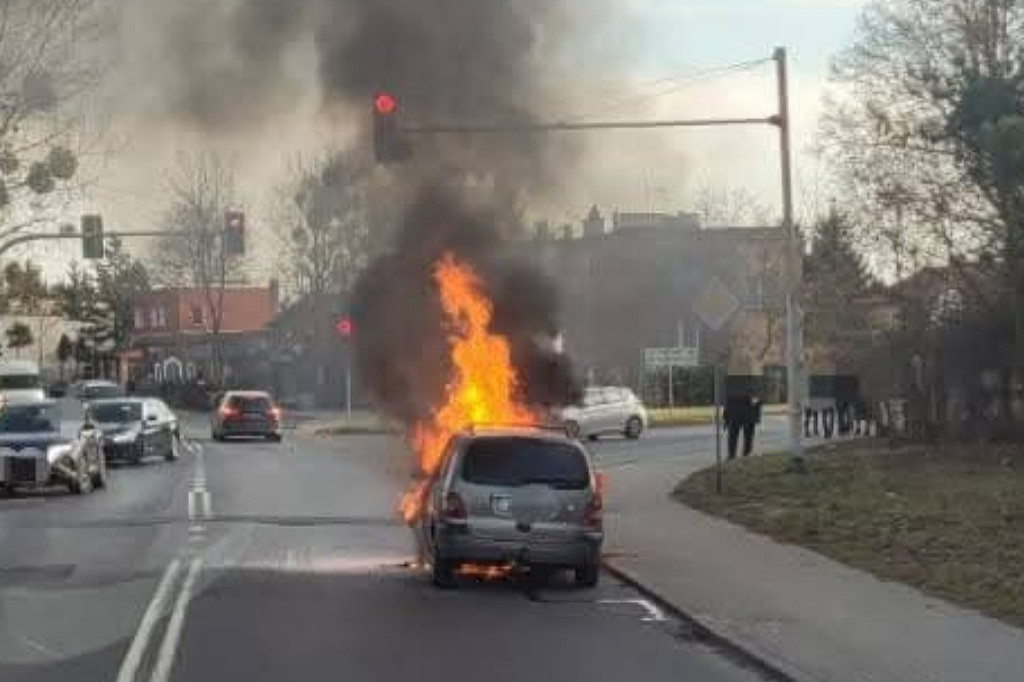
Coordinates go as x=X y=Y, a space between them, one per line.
x=30 y=419
x=514 y=461
x=117 y=412
x=755 y=292
x=140 y=318
x=196 y=315
x=154 y=317
x=162 y=316
x=15 y=382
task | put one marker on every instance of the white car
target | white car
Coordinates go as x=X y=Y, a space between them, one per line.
x=606 y=410
x=20 y=382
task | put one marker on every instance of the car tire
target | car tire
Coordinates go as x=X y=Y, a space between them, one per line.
x=219 y=437
x=634 y=427
x=82 y=483
x=573 y=430
x=592 y=437
x=274 y=438
x=175 y=451
x=587 y=575
x=442 y=573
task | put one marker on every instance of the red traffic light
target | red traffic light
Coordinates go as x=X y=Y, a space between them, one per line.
x=344 y=327
x=384 y=104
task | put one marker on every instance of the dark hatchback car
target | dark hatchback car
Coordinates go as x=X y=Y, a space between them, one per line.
x=245 y=413
x=134 y=428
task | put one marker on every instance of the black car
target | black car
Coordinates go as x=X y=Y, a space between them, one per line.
x=134 y=428
x=38 y=448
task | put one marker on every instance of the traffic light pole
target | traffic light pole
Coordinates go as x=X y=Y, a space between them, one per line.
x=26 y=238
x=585 y=125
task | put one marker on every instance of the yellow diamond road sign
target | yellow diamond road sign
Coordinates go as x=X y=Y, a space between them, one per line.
x=715 y=304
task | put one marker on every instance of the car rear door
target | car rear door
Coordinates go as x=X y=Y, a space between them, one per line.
x=152 y=431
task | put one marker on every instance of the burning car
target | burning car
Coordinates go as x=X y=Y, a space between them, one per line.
x=38 y=449
x=518 y=496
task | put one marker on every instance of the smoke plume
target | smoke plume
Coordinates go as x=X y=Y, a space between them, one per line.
x=229 y=64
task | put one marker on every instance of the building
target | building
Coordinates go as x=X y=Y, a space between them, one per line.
x=643 y=282
x=175 y=332
x=47 y=331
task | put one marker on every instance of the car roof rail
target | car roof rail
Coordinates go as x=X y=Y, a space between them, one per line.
x=546 y=426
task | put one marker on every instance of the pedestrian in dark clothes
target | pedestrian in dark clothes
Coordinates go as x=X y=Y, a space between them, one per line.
x=750 y=425
x=736 y=414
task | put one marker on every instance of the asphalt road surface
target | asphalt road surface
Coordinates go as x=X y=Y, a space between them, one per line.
x=257 y=561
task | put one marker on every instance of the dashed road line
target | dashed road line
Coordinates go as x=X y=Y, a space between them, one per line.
x=654 y=614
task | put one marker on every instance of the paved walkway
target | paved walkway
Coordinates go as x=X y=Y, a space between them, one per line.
x=811 y=618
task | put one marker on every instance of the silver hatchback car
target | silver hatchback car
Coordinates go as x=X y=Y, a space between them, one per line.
x=512 y=496
x=606 y=410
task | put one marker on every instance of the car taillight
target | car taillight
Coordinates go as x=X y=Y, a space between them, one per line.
x=228 y=412
x=454 y=508
x=274 y=413
x=593 y=515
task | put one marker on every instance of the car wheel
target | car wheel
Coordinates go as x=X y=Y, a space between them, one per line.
x=82 y=482
x=573 y=430
x=274 y=438
x=175 y=450
x=442 y=573
x=587 y=575
x=217 y=436
x=634 y=427
x=592 y=437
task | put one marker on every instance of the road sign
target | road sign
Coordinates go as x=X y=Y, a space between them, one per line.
x=682 y=356
x=715 y=304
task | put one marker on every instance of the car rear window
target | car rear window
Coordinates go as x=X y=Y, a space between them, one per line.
x=250 y=403
x=516 y=461
x=14 y=382
x=117 y=413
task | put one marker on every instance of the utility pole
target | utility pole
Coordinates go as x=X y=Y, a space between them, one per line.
x=794 y=318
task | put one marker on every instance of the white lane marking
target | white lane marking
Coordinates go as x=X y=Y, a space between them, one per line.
x=654 y=614
x=191 y=505
x=130 y=664
x=39 y=646
x=207 y=505
x=169 y=647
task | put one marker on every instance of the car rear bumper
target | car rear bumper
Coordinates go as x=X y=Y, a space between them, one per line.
x=249 y=429
x=461 y=544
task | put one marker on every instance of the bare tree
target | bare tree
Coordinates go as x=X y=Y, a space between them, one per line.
x=322 y=222
x=729 y=206
x=45 y=73
x=202 y=190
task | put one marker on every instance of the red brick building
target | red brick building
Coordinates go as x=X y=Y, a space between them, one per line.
x=174 y=331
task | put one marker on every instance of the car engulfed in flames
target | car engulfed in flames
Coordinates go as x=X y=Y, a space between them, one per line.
x=483 y=386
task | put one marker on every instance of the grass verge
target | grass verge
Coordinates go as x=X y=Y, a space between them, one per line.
x=947 y=519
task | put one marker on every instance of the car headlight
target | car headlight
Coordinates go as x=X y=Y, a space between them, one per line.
x=55 y=452
x=125 y=437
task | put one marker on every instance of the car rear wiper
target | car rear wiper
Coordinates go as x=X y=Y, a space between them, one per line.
x=557 y=483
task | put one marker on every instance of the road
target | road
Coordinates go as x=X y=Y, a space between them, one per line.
x=257 y=561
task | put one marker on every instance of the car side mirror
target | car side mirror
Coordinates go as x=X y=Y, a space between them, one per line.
x=151 y=417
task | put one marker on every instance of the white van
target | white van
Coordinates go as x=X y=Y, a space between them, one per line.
x=20 y=381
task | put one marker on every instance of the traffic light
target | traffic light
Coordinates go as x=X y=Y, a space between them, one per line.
x=389 y=144
x=92 y=236
x=234 y=233
x=344 y=327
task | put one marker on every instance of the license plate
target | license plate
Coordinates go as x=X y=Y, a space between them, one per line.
x=501 y=504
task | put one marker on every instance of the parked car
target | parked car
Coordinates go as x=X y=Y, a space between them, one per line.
x=20 y=381
x=245 y=413
x=39 y=448
x=134 y=428
x=606 y=410
x=96 y=389
x=519 y=495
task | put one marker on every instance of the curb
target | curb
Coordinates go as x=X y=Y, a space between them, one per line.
x=704 y=632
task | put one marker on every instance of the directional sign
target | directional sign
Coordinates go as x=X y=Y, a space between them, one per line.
x=670 y=357
x=715 y=304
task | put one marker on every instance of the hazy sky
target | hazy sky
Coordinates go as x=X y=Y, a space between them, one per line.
x=641 y=59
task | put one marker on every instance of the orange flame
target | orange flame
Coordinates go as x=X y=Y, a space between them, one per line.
x=482 y=388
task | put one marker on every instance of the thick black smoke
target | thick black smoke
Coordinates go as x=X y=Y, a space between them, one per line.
x=445 y=60
x=401 y=346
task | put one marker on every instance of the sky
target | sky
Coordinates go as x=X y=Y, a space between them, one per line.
x=639 y=59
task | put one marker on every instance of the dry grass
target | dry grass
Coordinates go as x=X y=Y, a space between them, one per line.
x=949 y=519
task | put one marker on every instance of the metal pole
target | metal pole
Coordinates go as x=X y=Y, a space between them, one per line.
x=671 y=393
x=794 y=323
x=718 y=431
x=348 y=384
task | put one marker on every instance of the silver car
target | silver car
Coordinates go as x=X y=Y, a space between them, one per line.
x=606 y=410
x=516 y=496
x=39 y=449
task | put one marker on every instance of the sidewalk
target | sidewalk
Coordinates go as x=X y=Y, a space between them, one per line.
x=806 y=616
